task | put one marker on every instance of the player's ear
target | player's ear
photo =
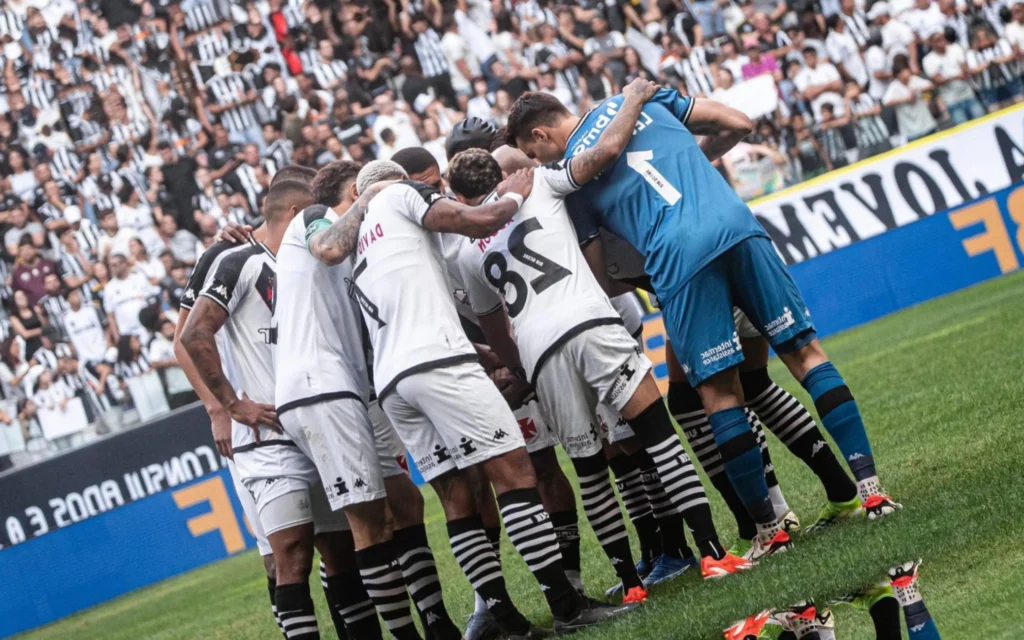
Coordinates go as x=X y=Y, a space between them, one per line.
x=352 y=193
x=539 y=134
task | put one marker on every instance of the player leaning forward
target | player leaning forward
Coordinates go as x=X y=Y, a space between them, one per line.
x=572 y=345
x=426 y=371
x=705 y=253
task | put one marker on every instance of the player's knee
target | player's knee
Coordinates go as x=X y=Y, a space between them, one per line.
x=270 y=566
x=371 y=522
x=802 y=356
x=721 y=391
x=511 y=471
x=293 y=554
x=545 y=466
x=630 y=445
x=755 y=353
x=405 y=501
x=645 y=395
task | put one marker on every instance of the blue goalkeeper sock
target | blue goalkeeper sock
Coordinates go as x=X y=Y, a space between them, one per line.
x=920 y=625
x=841 y=416
x=741 y=457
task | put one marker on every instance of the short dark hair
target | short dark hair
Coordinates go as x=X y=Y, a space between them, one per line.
x=415 y=159
x=473 y=173
x=499 y=138
x=294 y=172
x=900 y=63
x=281 y=196
x=329 y=181
x=532 y=109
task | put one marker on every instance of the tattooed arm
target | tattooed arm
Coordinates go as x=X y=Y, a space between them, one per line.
x=589 y=164
x=482 y=220
x=337 y=242
x=206 y=318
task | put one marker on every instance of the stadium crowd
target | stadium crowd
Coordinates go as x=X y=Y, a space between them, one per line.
x=131 y=130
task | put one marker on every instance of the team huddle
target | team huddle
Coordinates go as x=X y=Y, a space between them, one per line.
x=478 y=320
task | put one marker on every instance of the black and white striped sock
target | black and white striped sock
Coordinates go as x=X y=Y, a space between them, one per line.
x=420 y=573
x=634 y=497
x=295 y=609
x=475 y=554
x=689 y=413
x=528 y=525
x=351 y=607
x=682 y=484
x=271 y=591
x=794 y=425
x=336 y=617
x=770 y=479
x=382 y=578
x=605 y=516
x=671 y=529
x=567 y=532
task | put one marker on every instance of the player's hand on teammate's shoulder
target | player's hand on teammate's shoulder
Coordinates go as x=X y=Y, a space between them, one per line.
x=254 y=415
x=641 y=89
x=520 y=182
x=234 y=233
x=374 y=189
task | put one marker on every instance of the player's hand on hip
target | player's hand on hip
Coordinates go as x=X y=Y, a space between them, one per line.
x=234 y=233
x=520 y=182
x=254 y=415
x=220 y=422
x=641 y=89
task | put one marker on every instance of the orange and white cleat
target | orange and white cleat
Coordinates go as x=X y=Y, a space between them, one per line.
x=779 y=542
x=749 y=629
x=711 y=569
x=636 y=595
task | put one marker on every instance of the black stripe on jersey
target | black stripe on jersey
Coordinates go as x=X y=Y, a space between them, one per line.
x=473 y=332
x=222 y=286
x=567 y=336
x=429 y=194
x=320 y=397
x=313 y=213
x=639 y=332
x=198 y=277
x=263 y=443
x=689 y=110
x=450 y=361
x=566 y=166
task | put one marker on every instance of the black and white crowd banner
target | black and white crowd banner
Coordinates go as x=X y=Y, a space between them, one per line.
x=897 y=188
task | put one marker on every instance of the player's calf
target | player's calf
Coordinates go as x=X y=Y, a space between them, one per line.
x=293 y=555
x=559 y=500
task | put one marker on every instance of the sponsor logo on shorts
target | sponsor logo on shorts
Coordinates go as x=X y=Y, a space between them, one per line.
x=780 y=324
x=528 y=427
x=720 y=351
x=337 y=489
x=500 y=435
x=581 y=440
x=359 y=484
x=467 y=447
x=622 y=381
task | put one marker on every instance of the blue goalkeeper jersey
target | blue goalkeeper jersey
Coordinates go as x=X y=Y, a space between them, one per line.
x=661 y=195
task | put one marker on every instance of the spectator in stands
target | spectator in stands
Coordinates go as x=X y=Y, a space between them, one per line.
x=30 y=271
x=946 y=67
x=906 y=94
x=162 y=359
x=131 y=361
x=995 y=69
x=13 y=367
x=26 y=324
x=83 y=326
x=127 y=293
x=806 y=150
x=21 y=228
x=144 y=263
x=52 y=307
x=819 y=83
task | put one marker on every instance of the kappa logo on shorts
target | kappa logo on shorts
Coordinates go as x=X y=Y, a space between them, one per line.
x=500 y=434
x=359 y=484
x=594 y=433
x=723 y=350
x=467 y=446
x=304 y=504
x=528 y=427
x=780 y=324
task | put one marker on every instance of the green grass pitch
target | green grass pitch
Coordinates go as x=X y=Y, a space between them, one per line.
x=941 y=390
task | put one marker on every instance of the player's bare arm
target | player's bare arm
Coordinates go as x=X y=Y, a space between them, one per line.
x=498 y=331
x=722 y=127
x=198 y=339
x=589 y=164
x=220 y=421
x=480 y=221
x=338 y=241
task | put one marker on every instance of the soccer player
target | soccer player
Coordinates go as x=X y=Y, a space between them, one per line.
x=571 y=343
x=322 y=392
x=292 y=504
x=706 y=253
x=664 y=554
x=614 y=261
x=554 y=487
x=431 y=385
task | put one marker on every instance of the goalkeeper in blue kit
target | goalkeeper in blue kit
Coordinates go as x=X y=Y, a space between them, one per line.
x=705 y=253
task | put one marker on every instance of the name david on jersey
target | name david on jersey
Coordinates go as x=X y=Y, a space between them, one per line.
x=601 y=123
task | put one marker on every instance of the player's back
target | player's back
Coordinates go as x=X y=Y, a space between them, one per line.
x=535 y=264
x=319 y=352
x=402 y=287
x=662 y=195
x=241 y=281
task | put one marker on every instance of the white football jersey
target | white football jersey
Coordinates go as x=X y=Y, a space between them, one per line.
x=533 y=265
x=320 y=353
x=402 y=286
x=241 y=280
x=85 y=330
